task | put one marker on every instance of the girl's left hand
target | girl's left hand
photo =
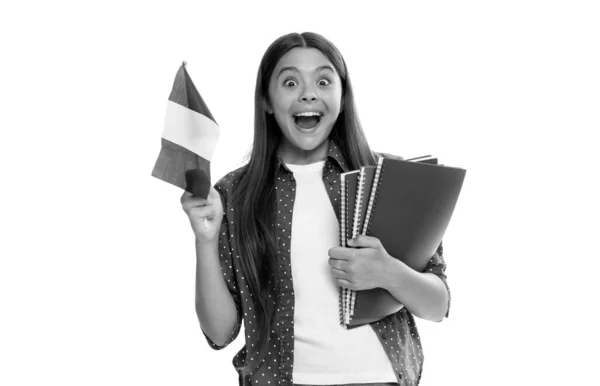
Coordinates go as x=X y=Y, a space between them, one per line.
x=362 y=266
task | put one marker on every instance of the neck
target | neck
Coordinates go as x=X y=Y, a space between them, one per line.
x=303 y=157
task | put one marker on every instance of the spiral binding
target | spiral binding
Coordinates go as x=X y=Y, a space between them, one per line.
x=342 y=241
x=374 y=194
x=359 y=194
x=352 y=304
x=368 y=217
x=355 y=229
x=346 y=291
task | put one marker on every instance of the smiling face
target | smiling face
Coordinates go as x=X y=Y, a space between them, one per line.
x=305 y=95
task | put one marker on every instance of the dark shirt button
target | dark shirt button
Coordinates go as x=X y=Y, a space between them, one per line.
x=332 y=182
x=384 y=336
x=400 y=376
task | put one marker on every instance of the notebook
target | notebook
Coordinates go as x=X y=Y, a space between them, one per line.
x=408 y=209
x=356 y=188
x=349 y=183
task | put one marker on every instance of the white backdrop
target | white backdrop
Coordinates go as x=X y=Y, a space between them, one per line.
x=97 y=257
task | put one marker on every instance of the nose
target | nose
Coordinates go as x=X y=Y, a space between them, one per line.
x=308 y=94
x=306 y=98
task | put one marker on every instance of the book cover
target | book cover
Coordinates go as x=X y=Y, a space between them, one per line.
x=409 y=208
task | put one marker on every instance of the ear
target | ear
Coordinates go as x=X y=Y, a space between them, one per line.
x=267 y=106
x=342 y=103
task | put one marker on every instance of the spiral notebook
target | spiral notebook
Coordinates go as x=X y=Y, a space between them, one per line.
x=407 y=205
x=349 y=183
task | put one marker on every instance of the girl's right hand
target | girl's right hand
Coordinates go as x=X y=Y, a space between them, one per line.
x=205 y=215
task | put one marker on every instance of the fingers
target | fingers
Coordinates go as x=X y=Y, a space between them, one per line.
x=213 y=194
x=195 y=205
x=337 y=271
x=363 y=241
x=213 y=197
x=188 y=200
x=185 y=196
x=337 y=252
x=338 y=264
x=344 y=253
x=201 y=212
x=339 y=274
x=345 y=284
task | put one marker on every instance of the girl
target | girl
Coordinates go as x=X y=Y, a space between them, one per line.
x=267 y=240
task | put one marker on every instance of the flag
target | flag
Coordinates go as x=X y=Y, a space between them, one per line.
x=189 y=139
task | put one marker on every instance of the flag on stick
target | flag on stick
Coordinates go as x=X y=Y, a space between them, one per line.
x=189 y=139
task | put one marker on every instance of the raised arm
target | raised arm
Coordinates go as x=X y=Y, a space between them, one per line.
x=218 y=311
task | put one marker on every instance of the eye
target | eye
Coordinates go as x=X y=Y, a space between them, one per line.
x=290 y=83
x=324 y=82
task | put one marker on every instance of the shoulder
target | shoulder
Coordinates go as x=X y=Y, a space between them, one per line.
x=387 y=155
x=226 y=183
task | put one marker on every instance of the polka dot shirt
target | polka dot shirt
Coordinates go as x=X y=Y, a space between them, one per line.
x=397 y=333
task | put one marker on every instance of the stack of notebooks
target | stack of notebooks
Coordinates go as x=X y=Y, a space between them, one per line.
x=407 y=205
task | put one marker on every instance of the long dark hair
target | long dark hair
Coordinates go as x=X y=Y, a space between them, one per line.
x=254 y=196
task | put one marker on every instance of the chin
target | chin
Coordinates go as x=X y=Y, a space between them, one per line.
x=309 y=144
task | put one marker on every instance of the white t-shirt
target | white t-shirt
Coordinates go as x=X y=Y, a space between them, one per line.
x=325 y=352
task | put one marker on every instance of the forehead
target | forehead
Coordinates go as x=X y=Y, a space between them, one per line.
x=304 y=59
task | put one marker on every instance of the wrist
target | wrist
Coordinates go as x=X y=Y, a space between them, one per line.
x=204 y=247
x=393 y=274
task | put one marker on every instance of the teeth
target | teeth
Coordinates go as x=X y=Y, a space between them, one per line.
x=308 y=114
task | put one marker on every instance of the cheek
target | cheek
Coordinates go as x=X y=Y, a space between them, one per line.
x=335 y=101
x=281 y=108
x=281 y=120
x=281 y=102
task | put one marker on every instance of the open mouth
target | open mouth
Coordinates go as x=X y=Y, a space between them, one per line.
x=308 y=120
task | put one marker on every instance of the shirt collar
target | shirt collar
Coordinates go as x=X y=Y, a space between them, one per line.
x=333 y=152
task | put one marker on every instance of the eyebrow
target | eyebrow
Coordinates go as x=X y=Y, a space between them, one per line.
x=292 y=68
